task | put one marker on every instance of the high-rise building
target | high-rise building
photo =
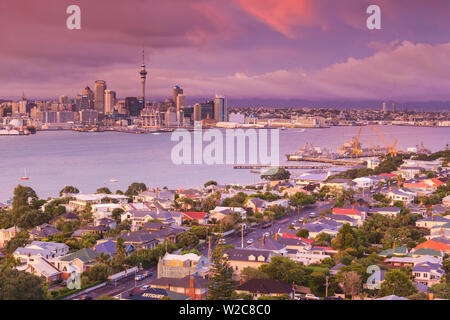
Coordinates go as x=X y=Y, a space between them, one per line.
x=384 y=107
x=87 y=99
x=63 y=99
x=208 y=110
x=181 y=102
x=134 y=106
x=197 y=112
x=220 y=109
x=110 y=101
x=393 y=107
x=143 y=75
x=99 y=96
x=177 y=90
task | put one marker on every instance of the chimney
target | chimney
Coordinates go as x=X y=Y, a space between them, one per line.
x=276 y=236
x=263 y=239
x=191 y=285
x=430 y=296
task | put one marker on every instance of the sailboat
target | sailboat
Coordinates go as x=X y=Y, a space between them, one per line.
x=25 y=177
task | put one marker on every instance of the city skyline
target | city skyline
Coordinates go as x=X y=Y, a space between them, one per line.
x=309 y=50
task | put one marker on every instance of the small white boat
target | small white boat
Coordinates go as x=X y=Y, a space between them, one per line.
x=113 y=180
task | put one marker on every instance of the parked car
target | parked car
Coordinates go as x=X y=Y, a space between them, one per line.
x=250 y=241
x=138 y=278
x=313 y=215
x=147 y=274
x=145 y=287
x=267 y=234
x=85 y=297
x=222 y=241
x=310 y=296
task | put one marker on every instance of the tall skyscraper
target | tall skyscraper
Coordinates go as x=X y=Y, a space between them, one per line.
x=220 y=109
x=110 y=101
x=181 y=102
x=177 y=90
x=393 y=107
x=87 y=99
x=143 y=75
x=197 y=112
x=384 y=107
x=99 y=96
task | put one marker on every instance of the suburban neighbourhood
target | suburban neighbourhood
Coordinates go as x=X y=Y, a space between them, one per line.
x=371 y=232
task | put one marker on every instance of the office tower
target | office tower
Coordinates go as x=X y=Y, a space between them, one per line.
x=384 y=107
x=88 y=116
x=181 y=102
x=99 y=96
x=87 y=98
x=110 y=101
x=393 y=107
x=208 y=110
x=63 y=99
x=134 y=106
x=197 y=112
x=143 y=75
x=177 y=90
x=220 y=109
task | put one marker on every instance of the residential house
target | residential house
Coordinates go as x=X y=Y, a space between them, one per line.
x=390 y=212
x=338 y=184
x=400 y=195
x=42 y=268
x=198 y=217
x=239 y=259
x=428 y=273
x=7 y=234
x=353 y=213
x=256 y=204
x=309 y=255
x=193 y=286
x=155 y=194
x=438 y=244
x=182 y=265
x=83 y=260
x=81 y=200
x=264 y=287
x=363 y=182
x=43 y=231
x=446 y=201
x=109 y=247
x=46 y=250
x=433 y=221
x=140 y=239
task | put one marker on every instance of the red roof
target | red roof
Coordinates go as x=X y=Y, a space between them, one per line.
x=196 y=215
x=437 y=182
x=434 y=244
x=288 y=235
x=347 y=212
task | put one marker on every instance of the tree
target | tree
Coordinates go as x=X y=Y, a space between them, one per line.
x=135 y=188
x=20 y=285
x=221 y=285
x=397 y=282
x=303 y=233
x=285 y=270
x=68 y=189
x=200 y=231
x=98 y=272
x=441 y=290
x=187 y=239
x=281 y=174
x=351 y=283
x=120 y=254
x=21 y=239
x=300 y=199
x=210 y=183
x=249 y=273
x=104 y=190
x=116 y=213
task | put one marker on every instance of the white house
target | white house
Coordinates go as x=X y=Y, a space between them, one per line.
x=363 y=182
x=46 y=250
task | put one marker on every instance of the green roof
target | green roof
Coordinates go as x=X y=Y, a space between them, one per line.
x=398 y=250
x=85 y=255
x=427 y=252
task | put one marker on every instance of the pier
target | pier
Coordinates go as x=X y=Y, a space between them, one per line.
x=339 y=162
x=293 y=166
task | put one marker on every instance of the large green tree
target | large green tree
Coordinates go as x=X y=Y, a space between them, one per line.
x=397 y=282
x=221 y=285
x=20 y=285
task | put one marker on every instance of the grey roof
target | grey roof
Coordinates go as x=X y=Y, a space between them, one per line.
x=180 y=282
x=138 y=236
x=243 y=254
x=269 y=244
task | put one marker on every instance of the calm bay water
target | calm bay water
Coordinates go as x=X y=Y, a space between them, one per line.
x=89 y=160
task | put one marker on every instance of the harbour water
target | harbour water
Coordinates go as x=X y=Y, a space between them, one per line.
x=89 y=161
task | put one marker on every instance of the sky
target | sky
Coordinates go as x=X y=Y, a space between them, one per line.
x=243 y=49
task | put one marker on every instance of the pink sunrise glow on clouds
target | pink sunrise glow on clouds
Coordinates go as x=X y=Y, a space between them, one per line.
x=304 y=49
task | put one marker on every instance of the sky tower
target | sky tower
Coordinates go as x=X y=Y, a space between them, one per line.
x=143 y=74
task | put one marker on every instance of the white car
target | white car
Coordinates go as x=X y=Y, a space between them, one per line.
x=250 y=241
x=139 y=277
x=267 y=234
x=145 y=287
x=313 y=214
x=310 y=296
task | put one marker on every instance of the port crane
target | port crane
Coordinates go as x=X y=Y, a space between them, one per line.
x=391 y=149
x=356 y=151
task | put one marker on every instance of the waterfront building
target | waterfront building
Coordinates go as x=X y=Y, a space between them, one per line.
x=197 y=112
x=181 y=102
x=89 y=117
x=177 y=90
x=134 y=105
x=87 y=99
